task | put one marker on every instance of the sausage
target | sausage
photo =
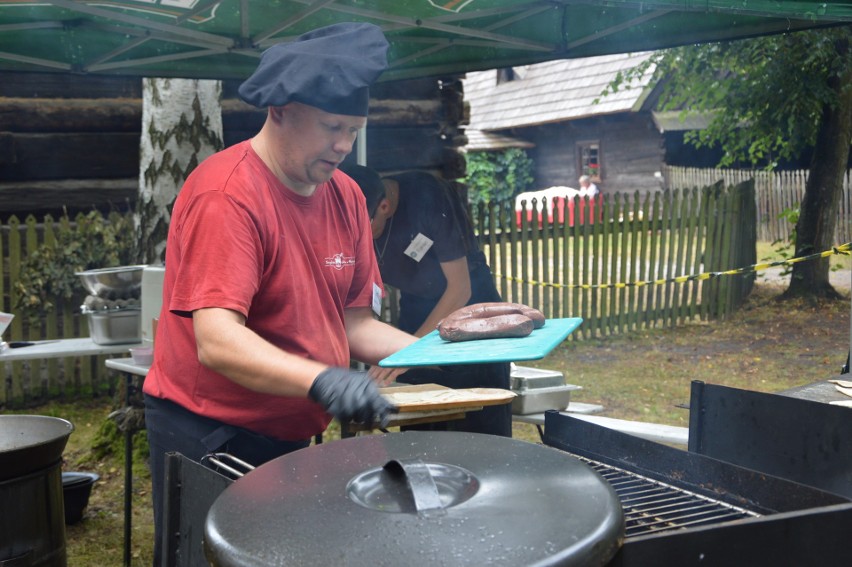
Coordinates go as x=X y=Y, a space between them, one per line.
x=490 y=321
x=499 y=326
x=483 y=310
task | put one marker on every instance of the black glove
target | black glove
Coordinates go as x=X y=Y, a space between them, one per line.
x=350 y=395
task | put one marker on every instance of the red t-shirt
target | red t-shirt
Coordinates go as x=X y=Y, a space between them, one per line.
x=241 y=240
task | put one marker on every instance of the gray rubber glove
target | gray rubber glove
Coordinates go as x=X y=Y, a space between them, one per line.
x=350 y=395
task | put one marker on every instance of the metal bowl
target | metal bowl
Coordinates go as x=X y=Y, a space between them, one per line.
x=118 y=282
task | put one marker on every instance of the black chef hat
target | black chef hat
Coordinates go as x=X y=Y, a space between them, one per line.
x=330 y=68
x=370 y=183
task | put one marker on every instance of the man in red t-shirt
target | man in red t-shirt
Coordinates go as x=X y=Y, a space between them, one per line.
x=271 y=278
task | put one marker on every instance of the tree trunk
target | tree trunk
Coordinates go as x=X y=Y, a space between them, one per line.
x=181 y=126
x=818 y=213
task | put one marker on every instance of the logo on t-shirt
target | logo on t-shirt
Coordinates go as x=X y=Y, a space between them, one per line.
x=339 y=261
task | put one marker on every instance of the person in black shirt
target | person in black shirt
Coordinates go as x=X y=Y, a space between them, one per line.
x=426 y=249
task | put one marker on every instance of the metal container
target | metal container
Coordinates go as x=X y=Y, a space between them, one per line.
x=539 y=390
x=115 y=327
x=525 y=377
x=542 y=399
x=32 y=527
x=114 y=283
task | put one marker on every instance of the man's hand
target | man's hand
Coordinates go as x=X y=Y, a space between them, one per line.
x=350 y=395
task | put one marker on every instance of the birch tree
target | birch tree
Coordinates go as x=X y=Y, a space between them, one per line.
x=181 y=126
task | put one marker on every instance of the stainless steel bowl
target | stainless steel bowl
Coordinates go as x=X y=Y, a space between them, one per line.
x=118 y=282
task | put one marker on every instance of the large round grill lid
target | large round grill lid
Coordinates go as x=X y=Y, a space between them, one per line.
x=417 y=498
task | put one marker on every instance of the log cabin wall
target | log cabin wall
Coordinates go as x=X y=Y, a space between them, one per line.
x=631 y=151
x=68 y=141
x=73 y=141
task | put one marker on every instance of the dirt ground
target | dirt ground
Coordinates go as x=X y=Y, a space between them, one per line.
x=767 y=346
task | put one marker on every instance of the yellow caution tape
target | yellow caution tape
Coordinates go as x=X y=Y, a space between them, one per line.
x=845 y=249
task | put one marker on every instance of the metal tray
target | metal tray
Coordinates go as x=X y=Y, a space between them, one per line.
x=526 y=378
x=543 y=399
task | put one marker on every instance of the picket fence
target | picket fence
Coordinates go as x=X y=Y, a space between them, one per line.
x=28 y=383
x=625 y=262
x=776 y=193
x=615 y=269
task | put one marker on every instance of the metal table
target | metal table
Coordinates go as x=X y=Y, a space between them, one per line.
x=658 y=432
x=130 y=369
x=823 y=391
x=61 y=348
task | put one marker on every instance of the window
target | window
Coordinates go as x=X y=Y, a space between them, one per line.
x=589 y=160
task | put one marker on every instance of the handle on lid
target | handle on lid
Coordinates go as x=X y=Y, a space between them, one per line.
x=420 y=482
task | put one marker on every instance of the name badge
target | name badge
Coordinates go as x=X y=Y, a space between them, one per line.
x=419 y=247
x=377 y=299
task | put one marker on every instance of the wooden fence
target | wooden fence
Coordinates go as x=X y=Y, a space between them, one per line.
x=597 y=271
x=616 y=267
x=775 y=193
x=31 y=382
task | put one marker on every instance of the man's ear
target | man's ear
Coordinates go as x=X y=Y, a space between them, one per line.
x=391 y=194
x=276 y=113
x=384 y=205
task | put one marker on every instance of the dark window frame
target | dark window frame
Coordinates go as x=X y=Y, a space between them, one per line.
x=589 y=152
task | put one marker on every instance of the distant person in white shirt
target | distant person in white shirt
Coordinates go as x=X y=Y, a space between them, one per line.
x=587 y=188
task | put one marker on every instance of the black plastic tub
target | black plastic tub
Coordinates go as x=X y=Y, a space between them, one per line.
x=76 y=489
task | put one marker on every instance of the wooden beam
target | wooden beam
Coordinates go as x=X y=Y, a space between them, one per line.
x=75 y=194
x=125 y=114
x=71 y=115
x=73 y=156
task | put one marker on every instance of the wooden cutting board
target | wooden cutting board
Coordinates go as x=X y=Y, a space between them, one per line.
x=431 y=397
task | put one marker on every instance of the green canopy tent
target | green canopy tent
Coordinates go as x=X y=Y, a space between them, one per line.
x=222 y=39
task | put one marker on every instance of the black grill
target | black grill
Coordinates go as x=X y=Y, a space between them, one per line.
x=652 y=507
x=689 y=508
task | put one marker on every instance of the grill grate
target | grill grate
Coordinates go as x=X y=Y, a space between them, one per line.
x=651 y=506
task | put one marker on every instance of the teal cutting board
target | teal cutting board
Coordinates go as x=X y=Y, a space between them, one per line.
x=432 y=350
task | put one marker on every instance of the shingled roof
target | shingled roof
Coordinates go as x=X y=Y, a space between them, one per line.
x=554 y=91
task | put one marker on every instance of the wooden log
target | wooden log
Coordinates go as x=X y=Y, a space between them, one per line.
x=30 y=157
x=125 y=114
x=454 y=164
x=24 y=197
x=406 y=89
x=452 y=101
x=65 y=85
x=405 y=148
x=7 y=148
x=73 y=156
x=426 y=88
x=383 y=112
x=71 y=115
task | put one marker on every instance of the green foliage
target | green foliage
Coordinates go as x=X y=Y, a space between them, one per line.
x=92 y=241
x=764 y=96
x=497 y=176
